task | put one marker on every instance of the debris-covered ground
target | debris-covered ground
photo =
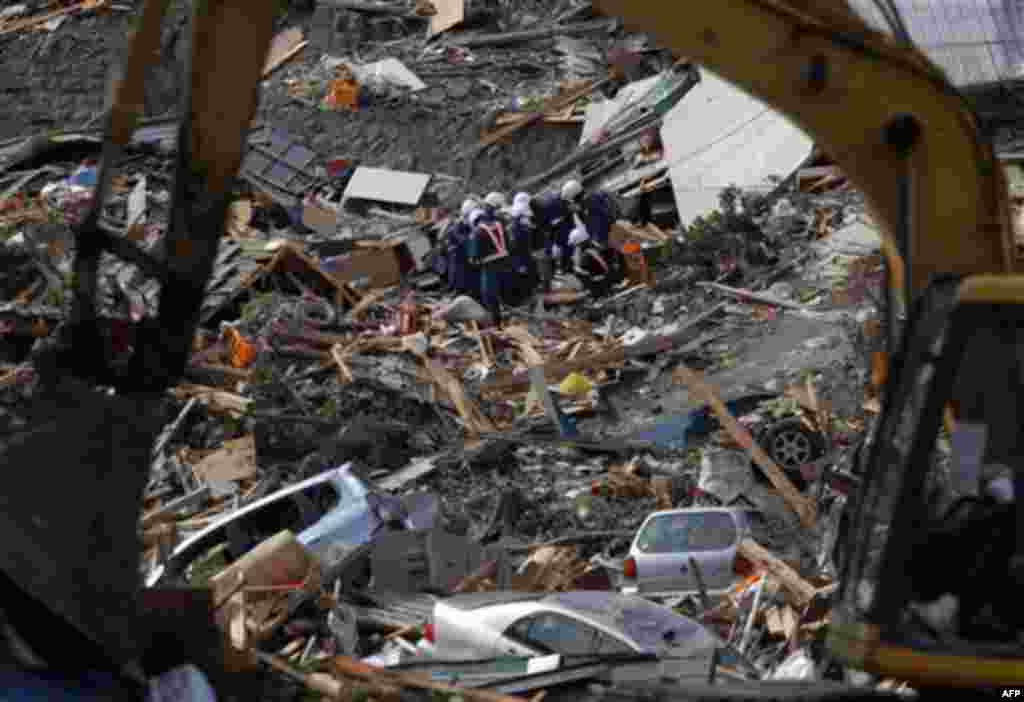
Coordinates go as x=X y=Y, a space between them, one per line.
x=328 y=339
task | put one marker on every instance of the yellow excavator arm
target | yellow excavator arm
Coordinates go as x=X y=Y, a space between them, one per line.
x=887 y=116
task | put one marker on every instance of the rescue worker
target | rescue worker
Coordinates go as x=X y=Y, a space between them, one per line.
x=461 y=277
x=598 y=267
x=494 y=203
x=521 y=246
x=490 y=254
x=594 y=213
x=554 y=219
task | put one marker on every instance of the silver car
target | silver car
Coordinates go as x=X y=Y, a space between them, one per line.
x=334 y=507
x=659 y=557
x=489 y=625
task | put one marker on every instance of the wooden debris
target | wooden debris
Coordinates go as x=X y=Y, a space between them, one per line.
x=447 y=14
x=319 y=683
x=236 y=460
x=749 y=296
x=476 y=421
x=338 y=356
x=798 y=592
x=782 y=622
x=274 y=568
x=662 y=489
x=214 y=399
x=553 y=104
x=283 y=48
x=551 y=569
x=380 y=680
x=168 y=512
x=39 y=20
x=486 y=350
x=804 y=508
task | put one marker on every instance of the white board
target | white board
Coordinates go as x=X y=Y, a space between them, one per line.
x=382 y=185
x=719 y=136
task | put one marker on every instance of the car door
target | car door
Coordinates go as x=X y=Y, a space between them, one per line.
x=551 y=632
x=666 y=542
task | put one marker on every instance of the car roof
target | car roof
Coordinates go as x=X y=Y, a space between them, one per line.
x=693 y=510
x=476 y=600
x=333 y=475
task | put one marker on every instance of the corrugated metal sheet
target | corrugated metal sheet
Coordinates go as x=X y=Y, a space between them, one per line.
x=974 y=41
x=719 y=136
x=382 y=185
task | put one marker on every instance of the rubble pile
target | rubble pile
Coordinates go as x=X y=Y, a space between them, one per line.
x=354 y=443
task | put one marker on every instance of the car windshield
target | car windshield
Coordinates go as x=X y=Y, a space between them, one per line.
x=643 y=622
x=687 y=531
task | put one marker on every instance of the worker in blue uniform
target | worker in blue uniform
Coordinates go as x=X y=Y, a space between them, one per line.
x=554 y=218
x=489 y=252
x=598 y=267
x=462 y=279
x=524 y=278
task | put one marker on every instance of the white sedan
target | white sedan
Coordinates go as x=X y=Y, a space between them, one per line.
x=582 y=624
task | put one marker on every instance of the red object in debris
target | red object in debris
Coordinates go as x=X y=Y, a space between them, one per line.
x=629 y=568
x=407 y=313
x=428 y=632
x=337 y=167
x=595 y=489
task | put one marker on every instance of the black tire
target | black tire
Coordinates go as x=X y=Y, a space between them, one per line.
x=791 y=445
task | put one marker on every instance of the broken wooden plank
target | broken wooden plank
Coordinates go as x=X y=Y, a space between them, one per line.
x=169 y=511
x=553 y=104
x=214 y=399
x=486 y=353
x=235 y=460
x=339 y=358
x=448 y=14
x=40 y=20
x=804 y=508
x=476 y=421
x=798 y=592
x=749 y=296
x=318 y=683
x=353 y=669
x=285 y=46
x=554 y=372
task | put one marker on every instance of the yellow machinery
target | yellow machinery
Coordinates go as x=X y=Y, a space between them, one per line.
x=929 y=587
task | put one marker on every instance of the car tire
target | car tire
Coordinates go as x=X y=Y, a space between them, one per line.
x=790 y=444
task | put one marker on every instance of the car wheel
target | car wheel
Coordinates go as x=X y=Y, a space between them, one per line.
x=791 y=445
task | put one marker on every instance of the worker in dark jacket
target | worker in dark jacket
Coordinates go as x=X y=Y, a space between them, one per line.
x=554 y=217
x=462 y=279
x=521 y=233
x=489 y=252
x=597 y=267
x=595 y=213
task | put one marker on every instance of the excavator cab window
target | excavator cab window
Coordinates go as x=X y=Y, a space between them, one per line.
x=934 y=554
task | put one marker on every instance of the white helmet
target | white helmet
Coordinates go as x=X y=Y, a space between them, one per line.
x=521 y=200
x=475 y=216
x=468 y=206
x=571 y=190
x=578 y=236
x=495 y=200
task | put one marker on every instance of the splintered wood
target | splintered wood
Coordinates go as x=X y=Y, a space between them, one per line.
x=551 y=569
x=271 y=571
x=476 y=421
x=804 y=508
x=623 y=481
x=798 y=592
